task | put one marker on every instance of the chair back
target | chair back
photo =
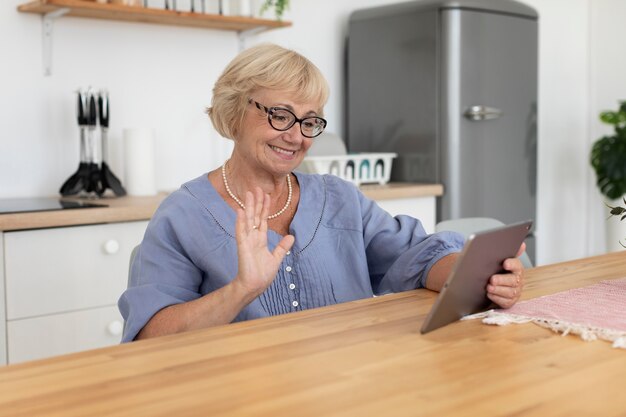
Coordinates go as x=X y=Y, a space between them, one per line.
x=468 y=225
x=133 y=253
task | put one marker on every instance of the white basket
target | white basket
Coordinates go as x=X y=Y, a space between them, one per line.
x=359 y=168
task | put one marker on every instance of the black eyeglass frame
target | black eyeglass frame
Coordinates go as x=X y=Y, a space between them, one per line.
x=270 y=110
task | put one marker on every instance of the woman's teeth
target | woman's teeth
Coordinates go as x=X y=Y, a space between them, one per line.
x=283 y=151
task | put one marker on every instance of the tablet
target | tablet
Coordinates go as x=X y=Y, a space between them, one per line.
x=465 y=290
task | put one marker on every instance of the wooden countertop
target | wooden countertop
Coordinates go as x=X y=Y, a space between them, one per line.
x=120 y=209
x=401 y=190
x=128 y=208
x=363 y=358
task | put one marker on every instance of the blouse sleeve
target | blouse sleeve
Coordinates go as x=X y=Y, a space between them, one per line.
x=162 y=273
x=399 y=252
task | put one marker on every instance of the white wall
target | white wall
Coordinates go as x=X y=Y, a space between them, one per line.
x=161 y=76
x=563 y=129
x=157 y=76
x=607 y=62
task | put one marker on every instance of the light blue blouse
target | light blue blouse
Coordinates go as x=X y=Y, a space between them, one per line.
x=346 y=248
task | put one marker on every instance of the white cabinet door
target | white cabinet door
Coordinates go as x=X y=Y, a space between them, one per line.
x=63 y=333
x=422 y=208
x=67 y=269
x=3 y=319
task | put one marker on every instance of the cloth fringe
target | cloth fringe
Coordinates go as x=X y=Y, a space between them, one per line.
x=587 y=333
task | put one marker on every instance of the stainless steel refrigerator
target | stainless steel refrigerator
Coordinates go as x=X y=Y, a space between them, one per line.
x=451 y=86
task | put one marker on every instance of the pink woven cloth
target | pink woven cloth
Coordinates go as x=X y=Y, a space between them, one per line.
x=600 y=305
x=596 y=311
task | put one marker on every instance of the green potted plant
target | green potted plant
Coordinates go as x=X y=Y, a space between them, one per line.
x=279 y=7
x=608 y=159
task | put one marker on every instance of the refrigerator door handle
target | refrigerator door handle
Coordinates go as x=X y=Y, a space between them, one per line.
x=478 y=113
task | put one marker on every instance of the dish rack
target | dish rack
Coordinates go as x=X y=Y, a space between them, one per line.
x=358 y=168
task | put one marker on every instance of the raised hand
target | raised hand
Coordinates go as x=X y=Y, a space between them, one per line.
x=257 y=265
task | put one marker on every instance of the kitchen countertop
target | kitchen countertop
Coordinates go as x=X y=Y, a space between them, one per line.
x=401 y=190
x=120 y=209
x=131 y=208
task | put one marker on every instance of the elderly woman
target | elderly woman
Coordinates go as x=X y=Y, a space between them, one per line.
x=253 y=238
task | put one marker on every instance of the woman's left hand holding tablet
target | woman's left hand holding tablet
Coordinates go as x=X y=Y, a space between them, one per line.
x=506 y=289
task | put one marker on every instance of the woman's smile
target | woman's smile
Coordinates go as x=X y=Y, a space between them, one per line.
x=282 y=153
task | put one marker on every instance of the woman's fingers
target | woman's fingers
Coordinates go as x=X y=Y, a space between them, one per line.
x=501 y=301
x=521 y=250
x=258 y=206
x=249 y=211
x=240 y=224
x=506 y=289
x=283 y=246
x=265 y=211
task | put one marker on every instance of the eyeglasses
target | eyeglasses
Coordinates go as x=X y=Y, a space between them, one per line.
x=283 y=119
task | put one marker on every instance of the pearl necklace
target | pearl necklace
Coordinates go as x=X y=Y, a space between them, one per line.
x=273 y=216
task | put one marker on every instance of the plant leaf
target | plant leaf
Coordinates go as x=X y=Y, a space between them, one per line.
x=613 y=118
x=616 y=211
x=608 y=159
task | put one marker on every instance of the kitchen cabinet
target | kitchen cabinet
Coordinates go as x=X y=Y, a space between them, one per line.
x=416 y=200
x=3 y=318
x=61 y=333
x=422 y=208
x=62 y=286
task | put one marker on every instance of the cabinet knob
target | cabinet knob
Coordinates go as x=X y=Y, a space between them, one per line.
x=111 y=247
x=115 y=328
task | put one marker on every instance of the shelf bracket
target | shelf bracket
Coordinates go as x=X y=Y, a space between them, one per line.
x=47 y=25
x=248 y=33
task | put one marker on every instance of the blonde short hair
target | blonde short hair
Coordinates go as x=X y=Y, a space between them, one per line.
x=265 y=66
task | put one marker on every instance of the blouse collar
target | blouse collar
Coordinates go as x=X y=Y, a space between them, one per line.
x=305 y=222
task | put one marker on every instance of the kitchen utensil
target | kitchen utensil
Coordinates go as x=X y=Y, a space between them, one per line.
x=108 y=179
x=94 y=183
x=77 y=181
x=224 y=7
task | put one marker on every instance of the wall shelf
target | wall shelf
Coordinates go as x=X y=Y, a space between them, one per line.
x=54 y=9
x=108 y=11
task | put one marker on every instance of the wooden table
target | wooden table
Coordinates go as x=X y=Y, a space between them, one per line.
x=355 y=359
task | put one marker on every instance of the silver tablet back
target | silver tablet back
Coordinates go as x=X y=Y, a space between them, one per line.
x=465 y=290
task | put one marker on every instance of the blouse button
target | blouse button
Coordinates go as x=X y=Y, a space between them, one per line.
x=295 y=304
x=288 y=269
x=292 y=286
x=288 y=252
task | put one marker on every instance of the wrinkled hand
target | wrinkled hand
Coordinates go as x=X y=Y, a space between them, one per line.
x=257 y=265
x=506 y=289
